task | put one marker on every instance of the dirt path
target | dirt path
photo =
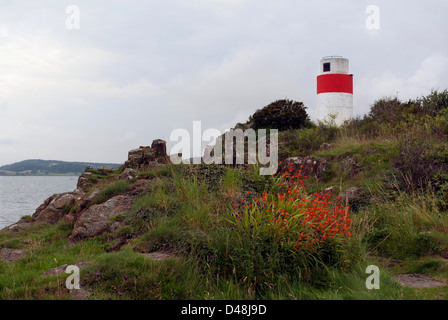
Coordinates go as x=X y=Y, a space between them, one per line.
x=417 y=281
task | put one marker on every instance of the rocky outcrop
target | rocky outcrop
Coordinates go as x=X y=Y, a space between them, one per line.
x=96 y=219
x=151 y=156
x=81 y=207
x=106 y=169
x=350 y=194
x=56 y=206
x=350 y=166
x=84 y=179
x=11 y=255
x=310 y=166
x=128 y=174
x=355 y=197
x=18 y=226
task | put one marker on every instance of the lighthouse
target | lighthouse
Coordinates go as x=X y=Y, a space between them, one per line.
x=334 y=90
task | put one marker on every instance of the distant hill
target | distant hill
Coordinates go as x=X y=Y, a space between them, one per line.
x=49 y=167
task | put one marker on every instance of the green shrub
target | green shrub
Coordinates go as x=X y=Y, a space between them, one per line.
x=406 y=226
x=390 y=117
x=281 y=115
x=289 y=233
x=418 y=161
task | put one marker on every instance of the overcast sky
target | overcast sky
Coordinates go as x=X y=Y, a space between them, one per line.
x=136 y=70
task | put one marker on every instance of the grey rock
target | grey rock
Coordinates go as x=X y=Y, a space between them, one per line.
x=325 y=146
x=94 y=194
x=53 y=209
x=11 y=255
x=147 y=156
x=18 y=226
x=310 y=166
x=417 y=281
x=61 y=269
x=63 y=200
x=129 y=174
x=350 y=165
x=106 y=169
x=350 y=194
x=83 y=180
x=95 y=220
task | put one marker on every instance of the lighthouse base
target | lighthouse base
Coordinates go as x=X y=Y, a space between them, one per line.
x=334 y=103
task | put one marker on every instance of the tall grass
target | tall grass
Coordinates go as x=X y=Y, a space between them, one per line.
x=111 y=190
x=407 y=225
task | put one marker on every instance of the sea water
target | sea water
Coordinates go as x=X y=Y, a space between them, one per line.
x=21 y=195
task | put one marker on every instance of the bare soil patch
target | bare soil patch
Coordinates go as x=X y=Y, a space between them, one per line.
x=418 y=281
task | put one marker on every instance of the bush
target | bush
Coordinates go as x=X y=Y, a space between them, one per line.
x=416 y=162
x=406 y=226
x=434 y=103
x=391 y=117
x=281 y=115
x=303 y=142
x=291 y=233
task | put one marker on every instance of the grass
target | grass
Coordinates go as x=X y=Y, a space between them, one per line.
x=111 y=190
x=419 y=227
x=188 y=211
x=47 y=248
x=181 y=214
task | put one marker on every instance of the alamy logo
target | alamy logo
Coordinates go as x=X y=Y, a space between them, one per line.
x=373 y=20
x=234 y=150
x=73 y=20
x=72 y=281
x=373 y=281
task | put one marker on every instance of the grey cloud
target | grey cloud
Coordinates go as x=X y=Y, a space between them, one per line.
x=137 y=70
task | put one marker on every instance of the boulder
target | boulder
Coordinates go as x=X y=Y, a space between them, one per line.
x=350 y=194
x=11 y=255
x=106 y=169
x=18 y=226
x=350 y=165
x=310 y=166
x=129 y=174
x=325 y=146
x=54 y=208
x=147 y=156
x=159 y=148
x=135 y=158
x=63 y=200
x=96 y=219
x=83 y=180
x=94 y=194
x=44 y=205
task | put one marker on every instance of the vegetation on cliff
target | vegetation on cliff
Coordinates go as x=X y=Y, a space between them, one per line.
x=376 y=194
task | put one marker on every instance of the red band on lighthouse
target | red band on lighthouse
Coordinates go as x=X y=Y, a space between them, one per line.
x=335 y=82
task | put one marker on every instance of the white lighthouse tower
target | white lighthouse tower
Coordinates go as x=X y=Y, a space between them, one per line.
x=334 y=90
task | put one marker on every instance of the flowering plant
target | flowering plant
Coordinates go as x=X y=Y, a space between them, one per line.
x=293 y=217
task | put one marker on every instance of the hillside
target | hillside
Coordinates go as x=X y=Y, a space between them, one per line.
x=49 y=167
x=372 y=192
